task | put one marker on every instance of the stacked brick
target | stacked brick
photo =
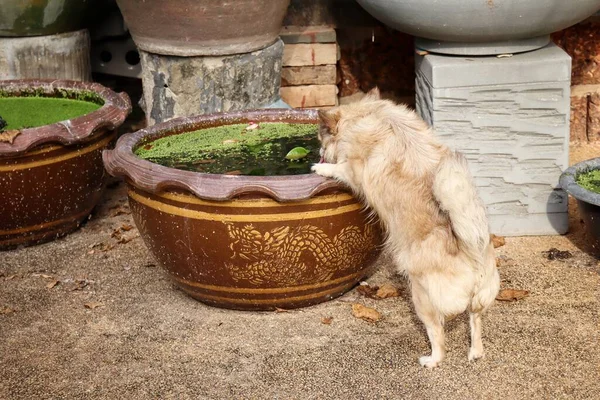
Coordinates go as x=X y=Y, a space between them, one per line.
x=309 y=74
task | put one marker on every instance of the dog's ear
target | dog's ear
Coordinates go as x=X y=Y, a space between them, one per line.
x=373 y=94
x=330 y=119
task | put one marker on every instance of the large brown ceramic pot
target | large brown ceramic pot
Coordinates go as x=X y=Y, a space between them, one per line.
x=246 y=242
x=51 y=177
x=203 y=27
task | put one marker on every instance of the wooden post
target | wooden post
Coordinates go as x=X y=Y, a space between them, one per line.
x=61 y=56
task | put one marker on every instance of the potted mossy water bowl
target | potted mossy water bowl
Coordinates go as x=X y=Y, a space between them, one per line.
x=51 y=172
x=582 y=181
x=229 y=232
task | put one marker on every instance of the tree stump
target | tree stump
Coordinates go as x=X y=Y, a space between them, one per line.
x=185 y=86
x=61 y=56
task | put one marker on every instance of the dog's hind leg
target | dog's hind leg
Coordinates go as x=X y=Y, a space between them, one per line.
x=476 y=350
x=434 y=324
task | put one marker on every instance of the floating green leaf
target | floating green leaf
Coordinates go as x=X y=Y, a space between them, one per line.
x=297 y=153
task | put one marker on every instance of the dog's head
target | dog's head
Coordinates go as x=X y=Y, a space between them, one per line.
x=341 y=128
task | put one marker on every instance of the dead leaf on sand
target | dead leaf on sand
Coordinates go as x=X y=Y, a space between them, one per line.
x=378 y=292
x=326 y=320
x=387 y=291
x=367 y=290
x=93 y=304
x=365 y=313
x=120 y=211
x=555 y=254
x=512 y=294
x=6 y=310
x=52 y=283
x=498 y=241
x=9 y=136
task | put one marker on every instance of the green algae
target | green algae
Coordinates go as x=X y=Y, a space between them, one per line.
x=590 y=180
x=34 y=111
x=237 y=149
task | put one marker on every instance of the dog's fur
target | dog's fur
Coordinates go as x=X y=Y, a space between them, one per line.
x=423 y=193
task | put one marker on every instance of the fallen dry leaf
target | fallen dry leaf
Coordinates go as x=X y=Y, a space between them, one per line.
x=93 y=304
x=512 y=294
x=121 y=211
x=6 y=310
x=326 y=320
x=9 y=136
x=387 y=291
x=368 y=291
x=126 y=227
x=280 y=310
x=124 y=240
x=52 y=283
x=555 y=254
x=498 y=241
x=365 y=313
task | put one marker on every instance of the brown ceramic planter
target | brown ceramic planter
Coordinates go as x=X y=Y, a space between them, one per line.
x=246 y=242
x=203 y=27
x=51 y=177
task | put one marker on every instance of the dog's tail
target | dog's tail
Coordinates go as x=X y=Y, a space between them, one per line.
x=455 y=191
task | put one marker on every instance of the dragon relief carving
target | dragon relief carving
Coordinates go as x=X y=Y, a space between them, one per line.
x=276 y=256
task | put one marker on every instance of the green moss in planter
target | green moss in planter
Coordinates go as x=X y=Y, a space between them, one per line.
x=590 y=180
x=33 y=109
x=240 y=149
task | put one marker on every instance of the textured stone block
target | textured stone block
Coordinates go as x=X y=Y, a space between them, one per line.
x=510 y=118
x=185 y=86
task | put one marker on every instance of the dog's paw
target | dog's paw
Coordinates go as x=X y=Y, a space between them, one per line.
x=324 y=169
x=428 y=362
x=475 y=354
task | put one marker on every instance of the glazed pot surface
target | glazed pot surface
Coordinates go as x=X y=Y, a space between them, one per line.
x=203 y=27
x=480 y=26
x=258 y=254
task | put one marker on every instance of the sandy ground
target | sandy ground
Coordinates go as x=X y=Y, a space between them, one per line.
x=146 y=339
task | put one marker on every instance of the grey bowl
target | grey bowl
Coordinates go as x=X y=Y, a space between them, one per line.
x=480 y=27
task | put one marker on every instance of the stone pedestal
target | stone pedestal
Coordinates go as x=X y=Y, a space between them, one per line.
x=183 y=86
x=510 y=117
x=61 y=56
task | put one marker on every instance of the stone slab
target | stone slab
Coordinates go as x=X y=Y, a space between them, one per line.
x=512 y=127
x=549 y=64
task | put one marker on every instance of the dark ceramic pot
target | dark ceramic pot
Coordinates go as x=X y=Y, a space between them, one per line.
x=246 y=242
x=203 y=27
x=42 y=17
x=588 y=202
x=51 y=177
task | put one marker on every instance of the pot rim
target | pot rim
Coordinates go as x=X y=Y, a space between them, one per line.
x=111 y=115
x=568 y=183
x=154 y=178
